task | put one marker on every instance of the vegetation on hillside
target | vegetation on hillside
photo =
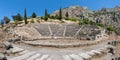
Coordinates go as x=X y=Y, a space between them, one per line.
x=86 y=21
x=110 y=28
x=57 y=16
x=33 y=15
x=100 y=24
x=66 y=16
x=71 y=19
x=16 y=22
x=60 y=14
x=32 y=21
x=17 y=17
x=6 y=19
x=25 y=16
x=46 y=15
x=2 y=23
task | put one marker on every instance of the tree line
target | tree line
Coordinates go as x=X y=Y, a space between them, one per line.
x=18 y=17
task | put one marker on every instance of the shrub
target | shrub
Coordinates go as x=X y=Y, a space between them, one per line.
x=66 y=18
x=72 y=19
x=56 y=16
x=46 y=18
x=42 y=17
x=100 y=24
x=92 y=23
x=6 y=19
x=52 y=17
x=84 y=22
x=32 y=21
x=16 y=22
x=110 y=28
x=17 y=17
x=80 y=23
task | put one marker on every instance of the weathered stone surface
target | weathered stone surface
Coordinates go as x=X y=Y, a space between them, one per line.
x=3 y=37
x=107 y=16
x=74 y=11
x=2 y=57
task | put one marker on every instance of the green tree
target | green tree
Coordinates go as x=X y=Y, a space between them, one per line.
x=6 y=19
x=34 y=15
x=46 y=15
x=60 y=14
x=17 y=17
x=2 y=23
x=25 y=16
x=67 y=15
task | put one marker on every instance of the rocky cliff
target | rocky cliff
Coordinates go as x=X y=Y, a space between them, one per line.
x=74 y=11
x=107 y=16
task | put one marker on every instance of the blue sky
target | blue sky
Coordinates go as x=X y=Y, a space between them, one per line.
x=12 y=7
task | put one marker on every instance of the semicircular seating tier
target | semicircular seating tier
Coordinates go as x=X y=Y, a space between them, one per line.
x=60 y=31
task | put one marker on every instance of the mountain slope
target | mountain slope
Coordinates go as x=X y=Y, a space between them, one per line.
x=106 y=16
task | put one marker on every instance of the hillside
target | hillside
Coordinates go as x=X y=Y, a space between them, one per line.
x=106 y=16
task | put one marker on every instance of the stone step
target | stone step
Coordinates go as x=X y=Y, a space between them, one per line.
x=34 y=57
x=24 y=57
x=44 y=57
x=49 y=59
x=84 y=55
x=24 y=52
x=66 y=57
x=31 y=55
x=91 y=53
x=95 y=51
x=16 y=49
x=75 y=57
